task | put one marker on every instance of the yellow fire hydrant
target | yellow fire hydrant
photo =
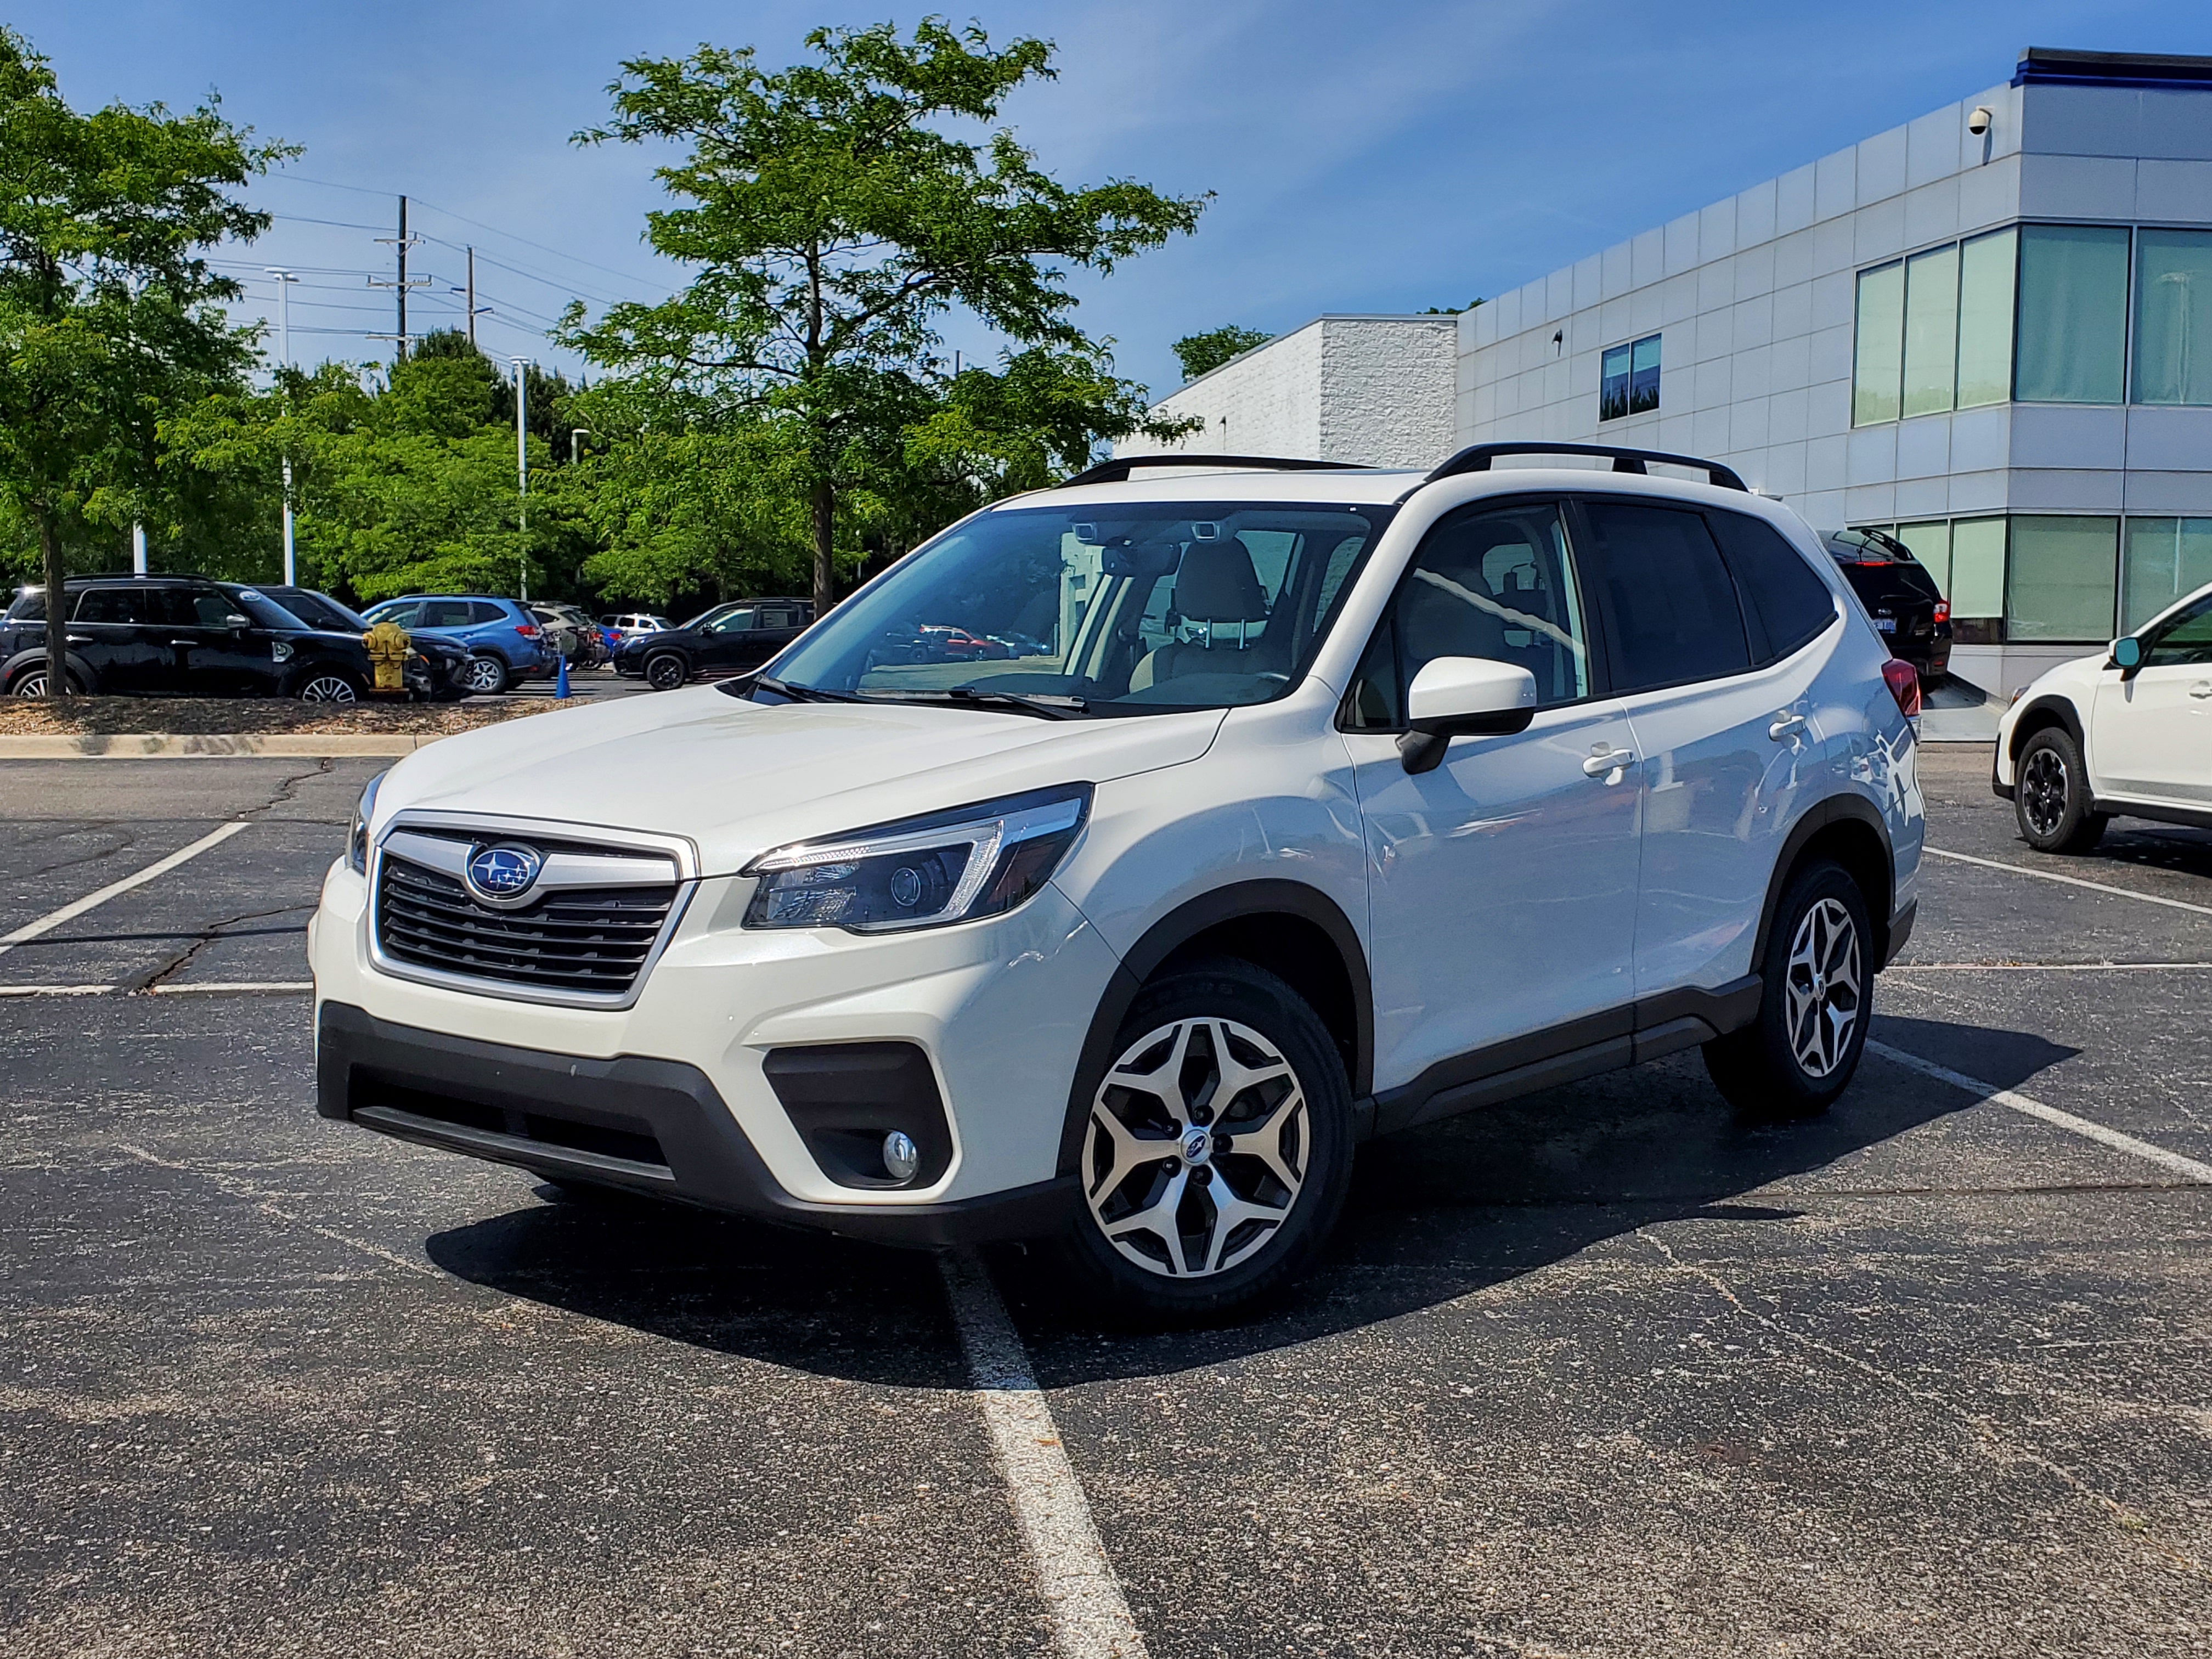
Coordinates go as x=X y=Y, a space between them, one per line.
x=387 y=655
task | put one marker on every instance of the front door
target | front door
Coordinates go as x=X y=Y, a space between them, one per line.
x=1502 y=885
x=2152 y=739
x=211 y=656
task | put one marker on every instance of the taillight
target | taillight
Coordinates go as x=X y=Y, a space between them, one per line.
x=1904 y=682
x=1942 y=610
x=528 y=630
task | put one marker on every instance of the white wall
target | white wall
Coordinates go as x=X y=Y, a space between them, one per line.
x=1350 y=388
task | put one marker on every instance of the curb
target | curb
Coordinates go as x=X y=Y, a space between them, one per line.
x=154 y=745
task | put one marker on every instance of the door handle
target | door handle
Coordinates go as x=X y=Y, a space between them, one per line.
x=1603 y=765
x=2202 y=689
x=184 y=642
x=78 y=639
x=1786 y=725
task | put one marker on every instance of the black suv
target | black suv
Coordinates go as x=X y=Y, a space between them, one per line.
x=1900 y=595
x=730 y=639
x=183 y=637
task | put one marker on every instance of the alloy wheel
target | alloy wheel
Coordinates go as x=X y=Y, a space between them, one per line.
x=32 y=684
x=484 y=674
x=2043 y=791
x=1198 y=1148
x=1824 y=987
x=327 y=687
x=664 y=673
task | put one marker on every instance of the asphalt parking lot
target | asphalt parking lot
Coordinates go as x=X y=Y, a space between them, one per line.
x=1604 y=1372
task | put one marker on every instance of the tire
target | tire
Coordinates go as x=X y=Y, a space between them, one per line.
x=1815 y=1007
x=1155 y=1105
x=2051 y=795
x=667 y=671
x=327 y=685
x=487 y=675
x=31 y=683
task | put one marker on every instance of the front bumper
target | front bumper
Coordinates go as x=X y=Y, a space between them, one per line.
x=655 y=1126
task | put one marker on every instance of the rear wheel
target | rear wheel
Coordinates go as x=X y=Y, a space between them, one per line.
x=665 y=671
x=1217 y=1147
x=487 y=674
x=327 y=686
x=2051 y=799
x=32 y=684
x=1802 y=1049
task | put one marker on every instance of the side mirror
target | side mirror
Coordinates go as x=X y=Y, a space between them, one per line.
x=1463 y=697
x=2127 y=653
x=234 y=620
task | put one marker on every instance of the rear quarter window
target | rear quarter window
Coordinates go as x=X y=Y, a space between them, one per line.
x=1789 y=605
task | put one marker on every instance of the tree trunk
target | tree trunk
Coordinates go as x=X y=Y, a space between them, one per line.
x=50 y=544
x=825 y=534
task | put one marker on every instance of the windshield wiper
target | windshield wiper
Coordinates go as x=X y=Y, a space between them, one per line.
x=806 y=693
x=1044 y=708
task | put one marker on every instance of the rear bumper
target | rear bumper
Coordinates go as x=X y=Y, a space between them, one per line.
x=655 y=1127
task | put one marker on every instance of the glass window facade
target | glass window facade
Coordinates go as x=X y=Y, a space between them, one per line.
x=2173 y=317
x=1931 y=329
x=2073 y=314
x=2161 y=559
x=1878 y=353
x=1986 y=266
x=1935 y=331
x=2063 y=580
x=1628 y=379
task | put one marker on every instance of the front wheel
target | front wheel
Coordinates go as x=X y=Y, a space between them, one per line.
x=1801 y=1050
x=326 y=687
x=1217 y=1147
x=666 y=672
x=2051 y=799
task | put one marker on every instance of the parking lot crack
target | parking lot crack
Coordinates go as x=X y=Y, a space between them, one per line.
x=1983 y=1433
x=177 y=964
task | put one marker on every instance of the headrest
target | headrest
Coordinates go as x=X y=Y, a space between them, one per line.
x=1217 y=583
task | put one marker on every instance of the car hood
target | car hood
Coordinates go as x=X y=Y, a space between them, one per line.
x=738 y=778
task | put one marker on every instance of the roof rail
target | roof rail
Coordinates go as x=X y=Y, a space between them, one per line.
x=1117 y=471
x=1476 y=458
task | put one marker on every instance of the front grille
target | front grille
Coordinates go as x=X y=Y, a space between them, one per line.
x=590 y=940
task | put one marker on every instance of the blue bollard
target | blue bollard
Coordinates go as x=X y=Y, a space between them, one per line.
x=561 y=675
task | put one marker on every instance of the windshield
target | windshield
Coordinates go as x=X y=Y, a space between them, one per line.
x=1130 y=608
x=320 y=611
x=264 y=611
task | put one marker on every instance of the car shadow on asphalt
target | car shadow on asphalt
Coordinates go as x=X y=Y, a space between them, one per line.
x=2154 y=846
x=1434 y=1214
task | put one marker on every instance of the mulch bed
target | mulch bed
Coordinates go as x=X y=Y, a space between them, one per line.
x=200 y=716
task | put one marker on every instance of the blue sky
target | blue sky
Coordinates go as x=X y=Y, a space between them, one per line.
x=1363 y=157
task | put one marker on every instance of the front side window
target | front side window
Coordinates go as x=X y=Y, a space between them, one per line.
x=2073 y=314
x=1629 y=378
x=1126 y=608
x=1492 y=582
x=1671 y=611
x=2185 y=640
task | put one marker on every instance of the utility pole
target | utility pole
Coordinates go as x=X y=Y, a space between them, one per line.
x=284 y=281
x=474 y=310
x=522 y=464
x=137 y=549
x=400 y=243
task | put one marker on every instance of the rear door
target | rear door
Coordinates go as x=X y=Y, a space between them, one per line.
x=727 y=643
x=1723 y=725
x=111 y=632
x=2152 y=734
x=777 y=625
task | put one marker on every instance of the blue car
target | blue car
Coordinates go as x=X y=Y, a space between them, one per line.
x=506 y=644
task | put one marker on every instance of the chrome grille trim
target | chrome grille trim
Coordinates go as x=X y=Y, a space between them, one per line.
x=602 y=911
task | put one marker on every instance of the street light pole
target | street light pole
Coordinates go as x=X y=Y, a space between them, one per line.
x=284 y=281
x=522 y=465
x=576 y=436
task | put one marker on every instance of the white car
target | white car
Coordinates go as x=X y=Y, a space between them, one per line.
x=2125 y=732
x=1312 y=803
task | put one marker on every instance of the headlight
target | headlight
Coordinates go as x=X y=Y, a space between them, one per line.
x=923 y=873
x=357 y=836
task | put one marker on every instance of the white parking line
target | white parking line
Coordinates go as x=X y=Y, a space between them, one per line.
x=1083 y=1599
x=198 y=988
x=56 y=990
x=2188 y=1167
x=2070 y=881
x=2049 y=968
x=47 y=923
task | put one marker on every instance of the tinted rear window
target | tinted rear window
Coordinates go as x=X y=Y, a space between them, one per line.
x=111 y=604
x=1791 y=605
x=28 y=608
x=1671 y=609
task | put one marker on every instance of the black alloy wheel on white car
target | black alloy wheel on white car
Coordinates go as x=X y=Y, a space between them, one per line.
x=485 y=675
x=2050 y=798
x=1802 y=1049
x=328 y=687
x=1216 y=1149
x=665 y=670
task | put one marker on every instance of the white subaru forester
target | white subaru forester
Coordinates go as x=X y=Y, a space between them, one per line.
x=1268 y=806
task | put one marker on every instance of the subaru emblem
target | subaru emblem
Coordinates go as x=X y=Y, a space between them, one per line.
x=505 y=872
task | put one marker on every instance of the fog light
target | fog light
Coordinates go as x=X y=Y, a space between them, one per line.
x=901 y=1158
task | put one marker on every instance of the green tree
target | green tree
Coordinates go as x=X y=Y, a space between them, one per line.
x=832 y=213
x=1201 y=354
x=107 y=313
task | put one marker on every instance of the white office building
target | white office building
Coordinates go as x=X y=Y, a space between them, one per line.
x=1989 y=330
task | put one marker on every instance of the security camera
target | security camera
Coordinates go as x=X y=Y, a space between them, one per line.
x=1978 y=122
